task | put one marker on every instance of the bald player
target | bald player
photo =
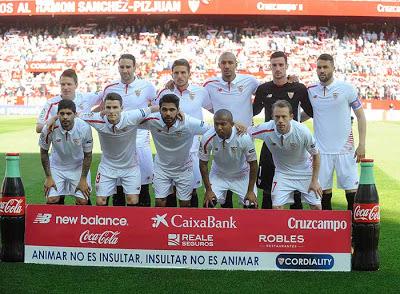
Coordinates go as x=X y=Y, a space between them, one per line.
x=234 y=92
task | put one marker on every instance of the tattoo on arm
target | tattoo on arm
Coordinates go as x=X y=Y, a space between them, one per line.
x=87 y=161
x=44 y=157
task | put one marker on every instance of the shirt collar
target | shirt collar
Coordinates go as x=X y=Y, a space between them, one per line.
x=330 y=86
x=234 y=82
x=175 y=125
x=230 y=138
x=284 y=135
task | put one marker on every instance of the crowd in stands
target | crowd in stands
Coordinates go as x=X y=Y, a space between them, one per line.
x=368 y=59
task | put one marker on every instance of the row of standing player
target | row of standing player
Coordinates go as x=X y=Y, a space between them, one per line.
x=329 y=104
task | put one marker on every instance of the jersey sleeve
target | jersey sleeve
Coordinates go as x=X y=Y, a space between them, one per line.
x=205 y=147
x=94 y=99
x=136 y=116
x=249 y=148
x=206 y=104
x=352 y=98
x=254 y=83
x=305 y=102
x=261 y=131
x=196 y=126
x=151 y=94
x=94 y=119
x=44 y=113
x=45 y=138
x=258 y=103
x=87 y=141
x=309 y=142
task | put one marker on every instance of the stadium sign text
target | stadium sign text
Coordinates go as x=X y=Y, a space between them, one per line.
x=239 y=239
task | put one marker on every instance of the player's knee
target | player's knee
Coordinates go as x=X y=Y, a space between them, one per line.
x=161 y=202
x=53 y=200
x=316 y=207
x=184 y=203
x=101 y=201
x=81 y=201
x=278 y=207
x=132 y=199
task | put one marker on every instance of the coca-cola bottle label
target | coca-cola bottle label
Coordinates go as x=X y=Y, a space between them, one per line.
x=12 y=206
x=366 y=213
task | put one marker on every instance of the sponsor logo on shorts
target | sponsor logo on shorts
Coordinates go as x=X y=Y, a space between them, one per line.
x=190 y=240
x=180 y=221
x=42 y=218
x=305 y=261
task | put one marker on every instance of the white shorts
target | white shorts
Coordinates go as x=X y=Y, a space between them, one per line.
x=196 y=170
x=164 y=181
x=66 y=182
x=238 y=185
x=283 y=189
x=145 y=161
x=346 y=171
x=107 y=179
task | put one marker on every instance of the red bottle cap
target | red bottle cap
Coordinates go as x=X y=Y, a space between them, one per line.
x=367 y=160
x=12 y=154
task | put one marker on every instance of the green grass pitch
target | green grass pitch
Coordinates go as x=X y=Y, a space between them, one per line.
x=383 y=141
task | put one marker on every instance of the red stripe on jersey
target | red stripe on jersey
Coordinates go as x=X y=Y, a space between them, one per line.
x=208 y=141
x=94 y=121
x=48 y=134
x=206 y=83
x=104 y=91
x=312 y=86
x=158 y=96
x=149 y=118
x=48 y=111
x=262 y=131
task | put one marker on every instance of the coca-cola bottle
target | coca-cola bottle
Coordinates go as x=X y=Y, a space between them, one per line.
x=12 y=212
x=366 y=221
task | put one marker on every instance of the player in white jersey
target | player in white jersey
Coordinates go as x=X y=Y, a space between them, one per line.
x=67 y=170
x=291 y=145
x=234 y=92
x=83 y=102
x=173 y=139
x=192 y=100
x=117 y=133
x=234 y=166
x=68 y=84
x=332 y=101
x=136 y=93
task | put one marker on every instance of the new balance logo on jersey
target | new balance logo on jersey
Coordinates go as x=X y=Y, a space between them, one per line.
x=42 y=218
x=159 y=219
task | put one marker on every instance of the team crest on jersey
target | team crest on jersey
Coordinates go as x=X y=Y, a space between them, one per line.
x=335 y=95
x=240 y=88
x=77 y=141
x=137 y=92
x=293 y=145
x=219 y=89
x=58 y=140
x=269 y=96
x=191 y=95
x=234 y=149
x=179 y=133
x=290 y=94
